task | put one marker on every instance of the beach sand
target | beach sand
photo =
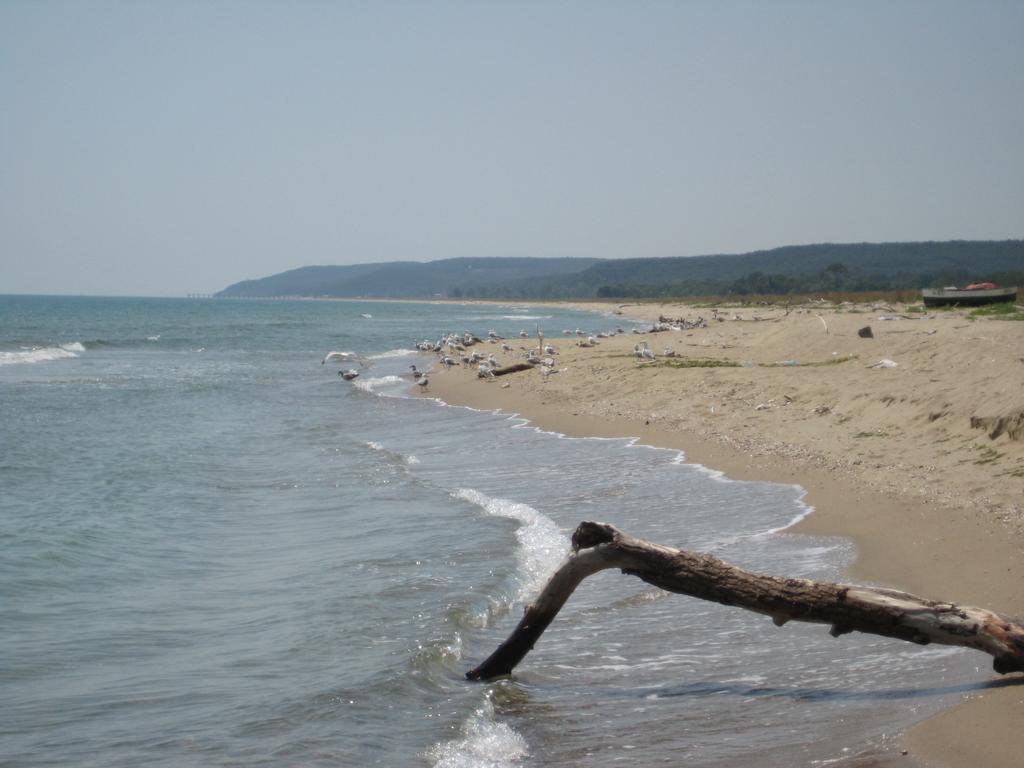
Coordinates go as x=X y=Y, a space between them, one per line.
x=920 y=463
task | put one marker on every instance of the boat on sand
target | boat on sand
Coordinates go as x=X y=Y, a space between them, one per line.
x=972 y=295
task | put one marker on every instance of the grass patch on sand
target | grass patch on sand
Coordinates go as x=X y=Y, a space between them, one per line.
x=814 y=364
x=694 y=362
x=714 y=362
x=1006 y=311
x=989 y=455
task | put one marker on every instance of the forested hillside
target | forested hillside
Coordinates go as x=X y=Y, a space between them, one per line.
x=407 y=279
x=790 y=269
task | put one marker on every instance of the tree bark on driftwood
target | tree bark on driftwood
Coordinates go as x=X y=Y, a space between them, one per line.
x=847 y=608
x=514 y=368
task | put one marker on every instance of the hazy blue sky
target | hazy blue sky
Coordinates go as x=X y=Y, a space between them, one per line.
x=159 y=148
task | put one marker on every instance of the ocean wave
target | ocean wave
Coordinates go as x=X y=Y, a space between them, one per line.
x=526 y=317
x=400 y=457
x=484 y=743
x=541 y=544
x=392 y=353
x=41 y=354
x=371 y=385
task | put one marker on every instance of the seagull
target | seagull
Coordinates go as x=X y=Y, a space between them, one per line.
x=422 y=381
x=643 y=351
x=350 y=374
x=416 y=374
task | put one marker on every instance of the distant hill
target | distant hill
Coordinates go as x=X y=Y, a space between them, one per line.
x=407 y=279
x=795 y=268
x=790 y=269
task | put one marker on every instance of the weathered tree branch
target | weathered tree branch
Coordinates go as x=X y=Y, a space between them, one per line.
x=847 y=608
x=514 y=368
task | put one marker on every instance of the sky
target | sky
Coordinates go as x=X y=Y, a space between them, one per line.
x=173 y=147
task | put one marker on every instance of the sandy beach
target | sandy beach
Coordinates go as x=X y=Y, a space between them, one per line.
x=909 y=441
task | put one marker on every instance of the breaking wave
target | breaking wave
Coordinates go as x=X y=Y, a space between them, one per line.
x=541 y=544
x=483 y=743
x=41 y=354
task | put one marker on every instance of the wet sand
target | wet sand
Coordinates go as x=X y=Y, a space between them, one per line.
x=910 y=443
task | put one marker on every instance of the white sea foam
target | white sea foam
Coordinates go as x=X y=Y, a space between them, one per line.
x=526 y=317
x=41 y=354
x=484 y=743
x=392 y=353
x=372 y=384
x=407 y=458
x=541 y=544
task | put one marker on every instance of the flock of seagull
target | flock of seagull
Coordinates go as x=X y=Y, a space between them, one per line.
x=454 y=349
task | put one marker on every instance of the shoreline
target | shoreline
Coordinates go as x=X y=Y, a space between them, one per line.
x=938 y=545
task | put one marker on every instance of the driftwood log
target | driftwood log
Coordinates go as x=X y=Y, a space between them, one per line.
x=847 y=608
x=514 y=368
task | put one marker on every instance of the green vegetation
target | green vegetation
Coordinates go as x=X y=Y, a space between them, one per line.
x=1007 y=311
x=989 y=455
x=838 y=272
x=694 y=362
x=815 y=364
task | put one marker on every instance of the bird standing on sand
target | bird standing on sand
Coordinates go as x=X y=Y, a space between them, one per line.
x=422 y=381
x=416 y=374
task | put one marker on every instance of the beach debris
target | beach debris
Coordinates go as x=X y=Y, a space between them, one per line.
x=822 y=321
x=846 y=608
x=642 y=351
x=866 y=332
x=514 y=368
x=884 y=363
x=1012 y=425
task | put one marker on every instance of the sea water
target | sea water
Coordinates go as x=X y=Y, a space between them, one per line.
x=215 y=551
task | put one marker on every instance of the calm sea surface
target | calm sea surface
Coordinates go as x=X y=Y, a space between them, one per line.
x=214 y=551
